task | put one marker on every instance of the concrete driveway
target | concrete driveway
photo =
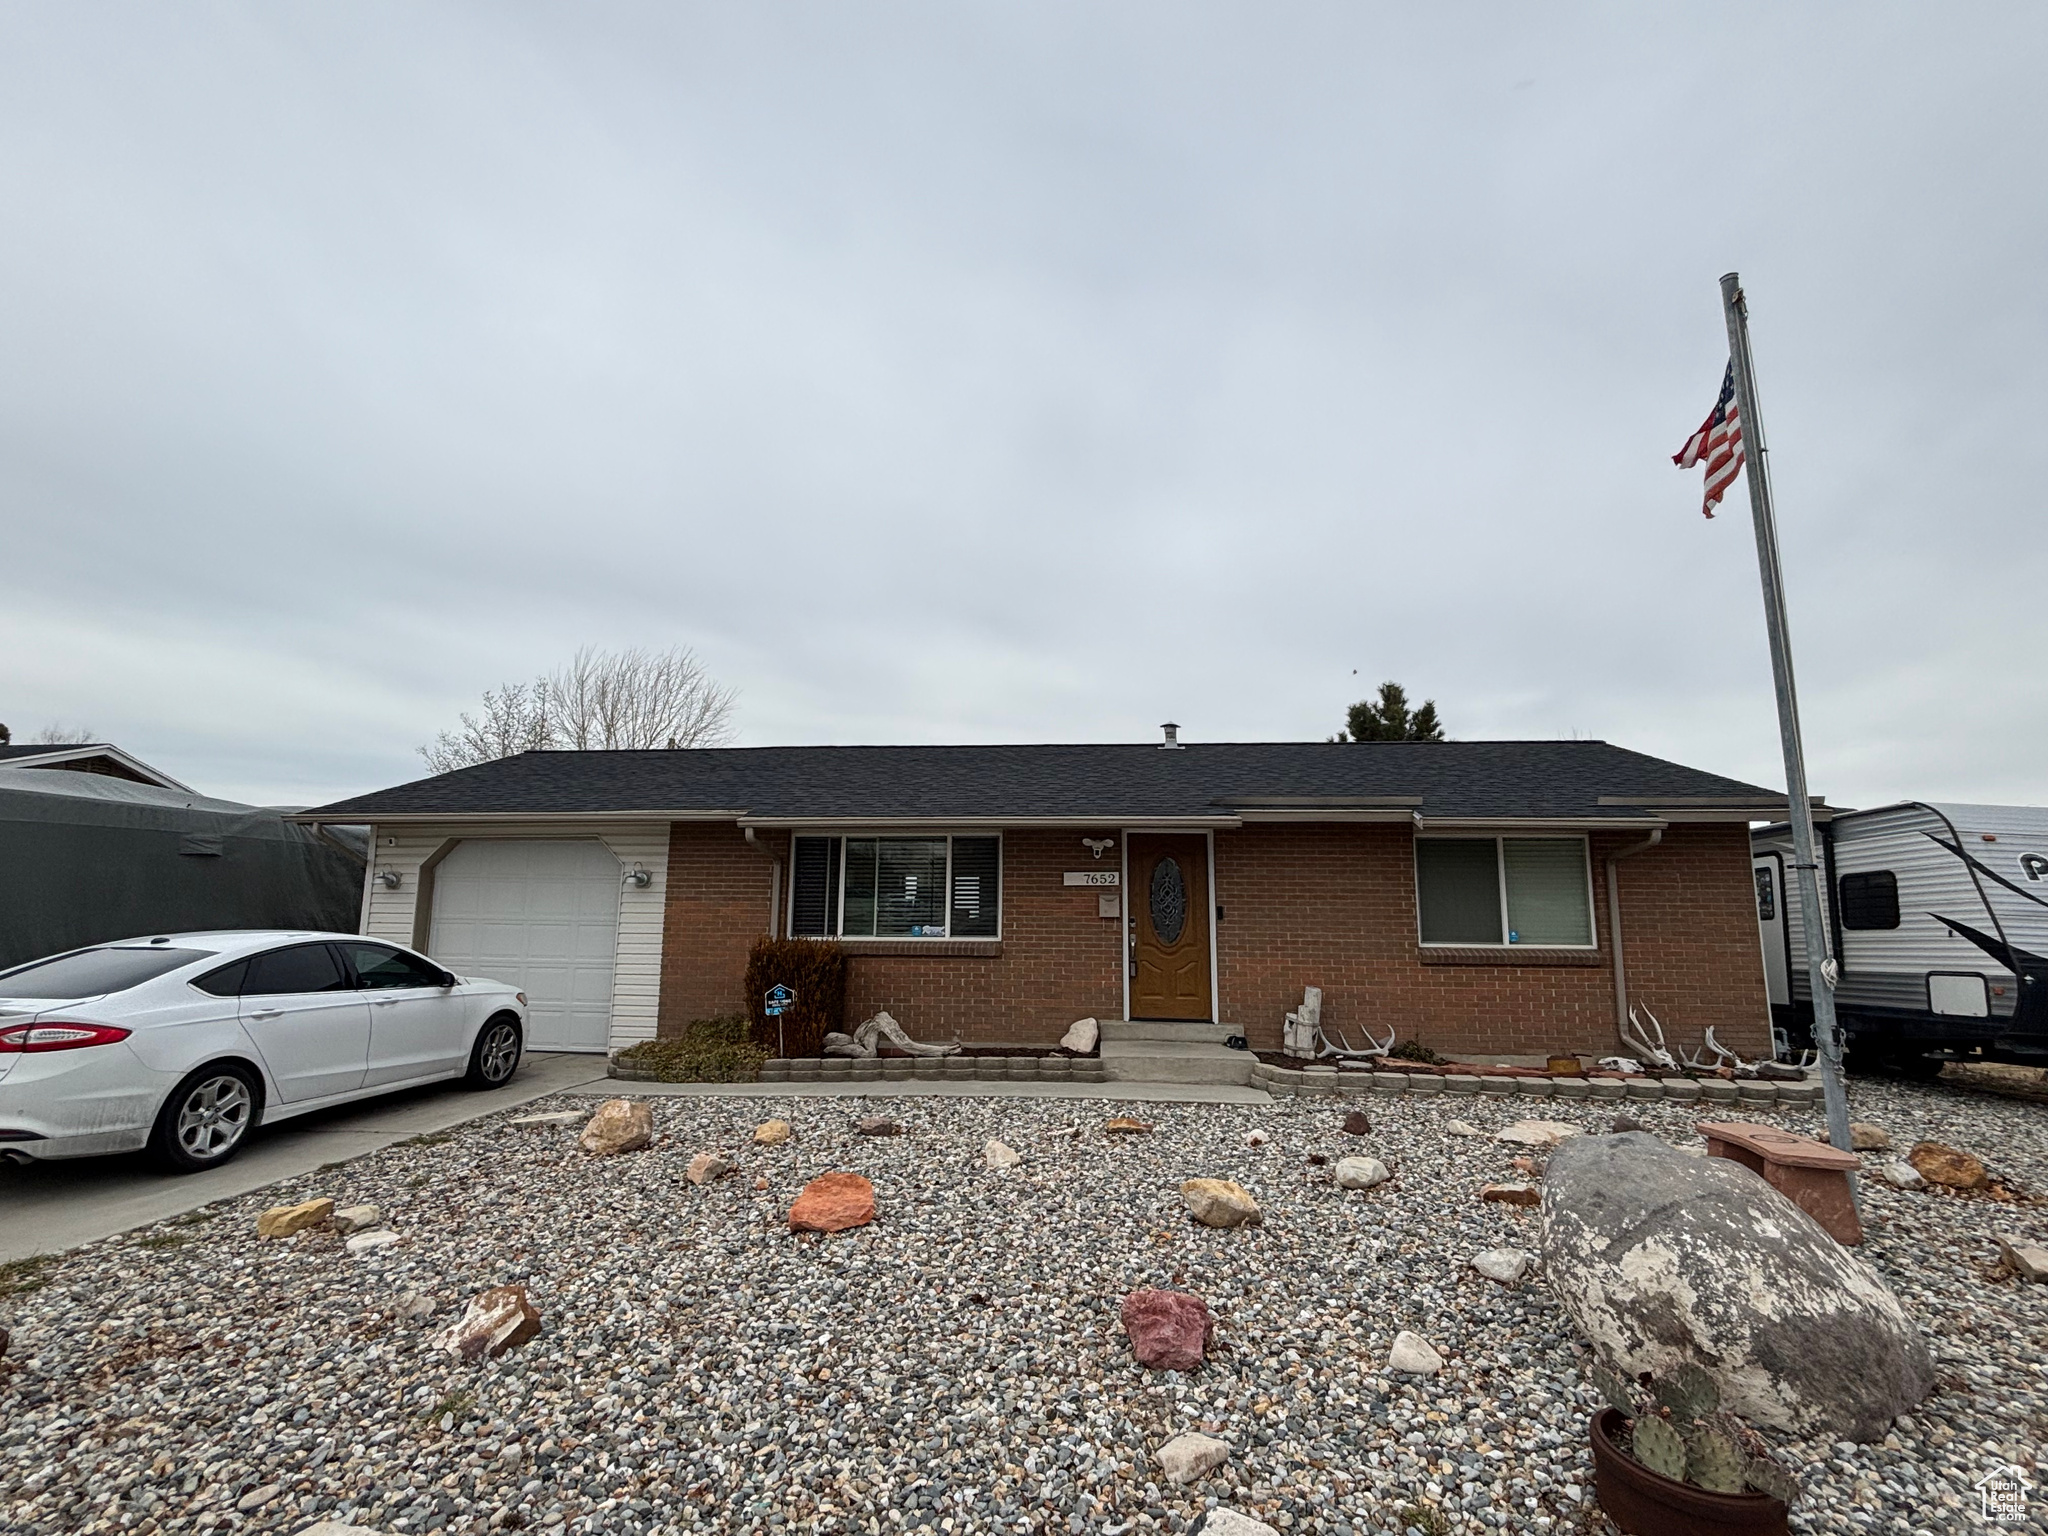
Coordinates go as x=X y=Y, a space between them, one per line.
x=49 y=1207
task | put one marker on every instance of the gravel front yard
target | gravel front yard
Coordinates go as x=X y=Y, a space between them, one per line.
x=958 y=1365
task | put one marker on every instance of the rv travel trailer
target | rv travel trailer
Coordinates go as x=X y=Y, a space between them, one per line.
x=1937 y=916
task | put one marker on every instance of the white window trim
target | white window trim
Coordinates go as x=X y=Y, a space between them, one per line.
x=1500 y=874
x=895 y=834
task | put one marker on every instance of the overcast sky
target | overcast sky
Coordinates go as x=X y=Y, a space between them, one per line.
x=1006 y=372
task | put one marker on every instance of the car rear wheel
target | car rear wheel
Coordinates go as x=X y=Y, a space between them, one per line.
x=495 y=1056
x=207 y=1118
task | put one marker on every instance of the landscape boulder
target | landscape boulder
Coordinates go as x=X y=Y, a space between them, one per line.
x=1414 y=1354
x=1941 y=1164
x=1663 y=1260
x=2028 y=1261
x=705 y=1167
x=1361 y=1172
x=1225 y=1521
x=771 y=1133
x=1865 y=1137
x=1081 y=1036
x=1124 y=1125
x=1538 y=1133
x=1507 y=1265
x=290 y=1220
x=1514 y=1192
x=1356 y=1124
x=357 y=1218
x=999 y=1155
x=1901 y=1175
x=1169 y=1330
x=833 y=1202
x=879 y=1125
x=1221 y=1203
x=496 y=1320
x=339 y=1527
x=620 y=1125
x=1188 y=1457
x=370 y=1242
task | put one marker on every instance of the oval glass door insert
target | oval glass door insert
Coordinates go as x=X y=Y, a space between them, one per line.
x=1169 y=901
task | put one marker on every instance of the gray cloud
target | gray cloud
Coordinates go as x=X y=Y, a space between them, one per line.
x=975 y=374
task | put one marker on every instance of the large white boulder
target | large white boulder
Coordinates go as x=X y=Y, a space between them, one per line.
x=1663 y=1259
x=1081 y=1036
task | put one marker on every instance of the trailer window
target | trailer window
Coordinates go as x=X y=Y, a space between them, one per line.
x=1766 y=895
x=1870 y=899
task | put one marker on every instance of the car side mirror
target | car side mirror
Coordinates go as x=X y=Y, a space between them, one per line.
x=449 y=978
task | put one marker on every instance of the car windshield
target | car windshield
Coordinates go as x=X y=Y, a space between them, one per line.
x=91 y=972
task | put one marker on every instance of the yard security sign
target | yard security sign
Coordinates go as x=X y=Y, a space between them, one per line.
x=777 y=1000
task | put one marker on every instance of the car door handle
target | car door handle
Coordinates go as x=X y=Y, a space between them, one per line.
x=383 y=1002
x=267 y=1013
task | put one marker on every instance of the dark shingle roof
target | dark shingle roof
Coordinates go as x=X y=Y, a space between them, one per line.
x=43 y=749
x=1505 y=779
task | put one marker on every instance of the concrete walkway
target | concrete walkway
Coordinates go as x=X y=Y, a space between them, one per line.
x=49 y=1207
x=926 y=1088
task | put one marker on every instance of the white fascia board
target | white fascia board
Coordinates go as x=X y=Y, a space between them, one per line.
x=500 y=818
x=985 y=823
x=1537 y=823
x=127 y=760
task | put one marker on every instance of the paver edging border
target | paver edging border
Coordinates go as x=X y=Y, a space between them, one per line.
x=951 y=1069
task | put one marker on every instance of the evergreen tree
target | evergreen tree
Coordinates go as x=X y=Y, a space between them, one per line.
x=1388 y=718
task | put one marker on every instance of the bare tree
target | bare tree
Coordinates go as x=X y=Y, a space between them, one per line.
x=59 y=734
x=602 y=700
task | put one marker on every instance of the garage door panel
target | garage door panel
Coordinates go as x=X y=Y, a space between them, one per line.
x=541 y=914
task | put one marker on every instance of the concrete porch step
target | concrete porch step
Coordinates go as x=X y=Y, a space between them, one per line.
x=1167 y=1031
x=1174 y=1061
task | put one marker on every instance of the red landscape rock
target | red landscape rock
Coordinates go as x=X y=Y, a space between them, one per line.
x=832 y=1202
x=1168 y=1329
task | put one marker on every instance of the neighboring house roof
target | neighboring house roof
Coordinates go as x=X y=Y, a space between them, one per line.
x=1219 y=783
x=87 y=757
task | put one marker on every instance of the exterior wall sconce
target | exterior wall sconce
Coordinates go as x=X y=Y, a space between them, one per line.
x=390 y=879
x=1098 y=845
x=638 y=878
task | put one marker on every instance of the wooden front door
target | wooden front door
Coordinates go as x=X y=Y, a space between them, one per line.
x=1168 y=902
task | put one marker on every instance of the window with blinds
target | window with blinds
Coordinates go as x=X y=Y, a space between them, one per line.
x=1504 y=890
x=896 y=887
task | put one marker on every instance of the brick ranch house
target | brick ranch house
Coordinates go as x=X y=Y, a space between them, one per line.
x=1468 y=894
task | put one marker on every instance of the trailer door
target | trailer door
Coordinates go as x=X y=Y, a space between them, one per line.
x=1770 y=921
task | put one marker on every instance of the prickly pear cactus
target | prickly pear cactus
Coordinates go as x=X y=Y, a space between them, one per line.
x=1620 y=1392
x=1714 y=1461
x=1659 y=1448
x=1769 y=1477
x=1689 y=1393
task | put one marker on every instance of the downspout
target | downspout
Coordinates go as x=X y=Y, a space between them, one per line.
x=1614 y=921
x=774 y=883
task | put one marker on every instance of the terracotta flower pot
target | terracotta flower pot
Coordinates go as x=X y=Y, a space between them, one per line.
x=1646 y=1503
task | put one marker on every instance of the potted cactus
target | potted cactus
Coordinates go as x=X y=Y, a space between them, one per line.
x=1668 y=1462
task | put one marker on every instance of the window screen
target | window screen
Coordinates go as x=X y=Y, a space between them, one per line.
x=1457 y=889
x=814 y=881
x=910 y=887
x=1546 y=881
x=1870 y=900
x=977 y=882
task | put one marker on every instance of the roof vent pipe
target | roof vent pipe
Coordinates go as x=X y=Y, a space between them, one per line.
x=1172 y=742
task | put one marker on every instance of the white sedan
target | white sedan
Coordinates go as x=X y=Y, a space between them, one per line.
x=185 y=1043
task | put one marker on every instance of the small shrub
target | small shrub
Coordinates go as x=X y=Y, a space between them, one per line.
x=1415 y=1050
x=720 y=1050
x=815 y=970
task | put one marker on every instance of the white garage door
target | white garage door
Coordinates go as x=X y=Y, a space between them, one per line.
x=543 y=915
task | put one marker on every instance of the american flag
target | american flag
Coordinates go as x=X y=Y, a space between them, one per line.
x=1719 y=442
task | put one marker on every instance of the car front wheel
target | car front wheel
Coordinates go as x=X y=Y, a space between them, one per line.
x=495 y=1056
x=207 y=1118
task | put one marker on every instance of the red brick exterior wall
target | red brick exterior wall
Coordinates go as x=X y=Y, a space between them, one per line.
x=1328 y=905
x=1334 y=906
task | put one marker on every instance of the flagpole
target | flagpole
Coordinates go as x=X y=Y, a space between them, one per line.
x=1826 y=1037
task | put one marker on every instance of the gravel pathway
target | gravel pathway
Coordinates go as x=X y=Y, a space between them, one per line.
x=958 y=1365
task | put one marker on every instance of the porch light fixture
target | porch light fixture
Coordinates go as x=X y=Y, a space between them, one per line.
x=638 y=877
x=390 y=879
